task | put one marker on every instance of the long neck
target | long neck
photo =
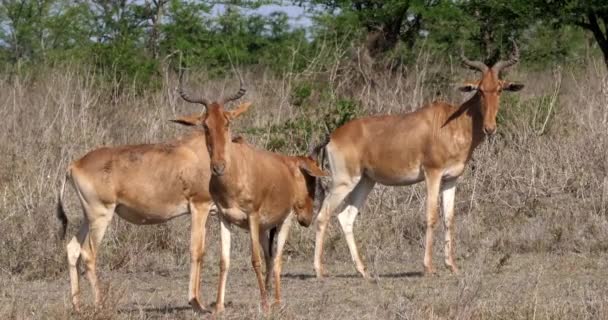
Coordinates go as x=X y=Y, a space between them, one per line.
x=233 y=170
x=468 y=119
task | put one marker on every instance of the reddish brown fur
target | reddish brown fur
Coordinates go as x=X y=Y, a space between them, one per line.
x=143 y=184
x=433 y=143
x=256 y=190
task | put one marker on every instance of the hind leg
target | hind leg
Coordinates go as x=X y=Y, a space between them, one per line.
x=354 y=202
x=433 y=182
x=338 y=193
x=266 y=243
x=448 y=191
x=99 y=217
x=73 y=253
x=343 y=182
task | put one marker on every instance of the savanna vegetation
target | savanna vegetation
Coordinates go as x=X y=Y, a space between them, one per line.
x=532 y=207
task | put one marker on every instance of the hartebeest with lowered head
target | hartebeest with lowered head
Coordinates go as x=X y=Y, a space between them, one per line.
x=256 y=190
x=433 y=143
x=143 y=184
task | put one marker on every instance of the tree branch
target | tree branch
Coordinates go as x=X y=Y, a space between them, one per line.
x=597 y=32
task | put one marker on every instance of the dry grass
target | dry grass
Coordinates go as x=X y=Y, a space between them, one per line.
x=532 y=209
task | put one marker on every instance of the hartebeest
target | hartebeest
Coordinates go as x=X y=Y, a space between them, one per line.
x=143 y=184
x=256 y=190
x=433 y=143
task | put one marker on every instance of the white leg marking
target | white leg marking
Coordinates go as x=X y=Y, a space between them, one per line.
x=448 y=192
x=278 y=262
x=224 y=263
x=355 y=202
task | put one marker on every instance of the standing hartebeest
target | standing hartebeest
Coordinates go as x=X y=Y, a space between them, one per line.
x=432 y=144
x=143 y=184
x=256 y=190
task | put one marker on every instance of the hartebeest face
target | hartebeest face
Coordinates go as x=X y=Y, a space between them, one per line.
x=304 y=206
x=217 y=130
x=490 y=87
x=216 y=124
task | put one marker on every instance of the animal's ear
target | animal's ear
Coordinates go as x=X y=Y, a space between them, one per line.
x=232 y=114
x=194 y=119
x=309 y=166
x=509 y=86
x=468 y=87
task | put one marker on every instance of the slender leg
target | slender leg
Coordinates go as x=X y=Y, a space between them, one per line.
x=266 y=243
x=448 y=191
x=199 y=213
x=73 y=252
x=355 y=202
x=224 y=263
x=254 y=232
x=433 y=181
x=99 y=217
x=278 y=260
x=338 y=193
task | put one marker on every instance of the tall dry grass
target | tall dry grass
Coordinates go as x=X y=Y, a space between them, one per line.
x=539 y=186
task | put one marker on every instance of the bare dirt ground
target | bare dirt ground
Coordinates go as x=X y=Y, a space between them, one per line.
x=489 y=287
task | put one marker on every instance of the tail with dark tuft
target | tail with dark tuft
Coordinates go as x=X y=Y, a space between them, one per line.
x=63 y=218
x=319 y=187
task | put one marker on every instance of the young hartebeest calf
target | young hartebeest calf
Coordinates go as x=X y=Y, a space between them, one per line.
x=143 y=184
x=433 y=143
x=256 y=190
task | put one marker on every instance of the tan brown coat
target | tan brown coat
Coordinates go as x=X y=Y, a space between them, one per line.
x=255 y=190
x=143 y=184
x=432 y=144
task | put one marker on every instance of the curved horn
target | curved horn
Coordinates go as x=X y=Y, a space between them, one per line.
x=477 y=65
x=237 y=95
x=513 y=59
x=185 y=96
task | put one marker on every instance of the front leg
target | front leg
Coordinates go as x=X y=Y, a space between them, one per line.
x=254 y=231
x=199 y=213
x=433 y=182
x=278 y=260
x=224 y=263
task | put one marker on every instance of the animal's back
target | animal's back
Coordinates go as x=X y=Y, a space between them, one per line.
x=387 y=148
x=152 y=180
x=268 y=182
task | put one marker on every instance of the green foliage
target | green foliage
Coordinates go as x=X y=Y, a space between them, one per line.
x=345 y=111
x=300 y=93
x=548 y=46
x=589 y=15
x=128 y=40
x=295 y=134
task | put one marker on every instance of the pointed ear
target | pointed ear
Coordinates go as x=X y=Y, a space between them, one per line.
x=309 y=166
x=232 y=114
x=509 y=86
x=468 y=87
x=194 y=119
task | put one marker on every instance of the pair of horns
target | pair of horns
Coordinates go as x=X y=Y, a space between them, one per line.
x=498 y=66
x=204 y=101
